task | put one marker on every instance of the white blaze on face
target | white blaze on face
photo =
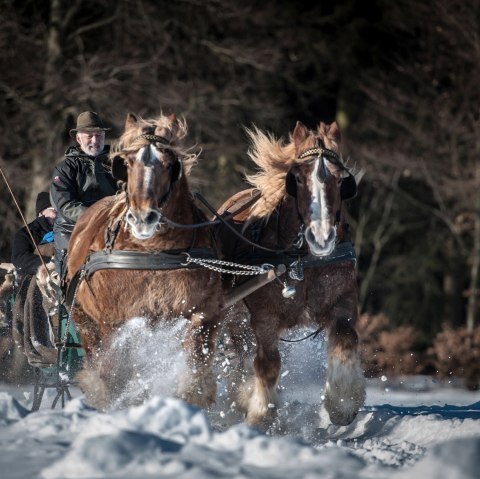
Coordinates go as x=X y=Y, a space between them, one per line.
x=142 y=229
x=320 y=233
x=148 y=174
x=320 y=223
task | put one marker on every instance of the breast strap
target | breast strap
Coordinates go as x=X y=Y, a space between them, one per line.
x=136 y=260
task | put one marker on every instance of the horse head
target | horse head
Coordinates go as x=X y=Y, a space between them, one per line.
x=148 y=158
x=319 y=181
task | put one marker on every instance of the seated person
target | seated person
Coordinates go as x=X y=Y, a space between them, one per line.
x=25 y=257
x=31 y=246
x=81 y=179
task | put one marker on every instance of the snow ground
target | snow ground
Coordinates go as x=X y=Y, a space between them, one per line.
x=411 y=428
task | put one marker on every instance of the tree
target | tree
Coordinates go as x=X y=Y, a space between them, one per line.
x=423 y=120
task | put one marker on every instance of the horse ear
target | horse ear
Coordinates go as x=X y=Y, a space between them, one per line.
x=333 y=132
x=300 y=134
x=131 y=121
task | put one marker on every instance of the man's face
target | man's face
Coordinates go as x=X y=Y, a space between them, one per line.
x=91 y=142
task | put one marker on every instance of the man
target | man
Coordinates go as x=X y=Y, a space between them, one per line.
x=80 y=180
x=25 y=256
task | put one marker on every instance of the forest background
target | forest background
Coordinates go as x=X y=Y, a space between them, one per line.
x=401 y=78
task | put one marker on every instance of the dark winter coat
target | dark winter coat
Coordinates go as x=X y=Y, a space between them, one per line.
x=24 y=256
x=79 y=181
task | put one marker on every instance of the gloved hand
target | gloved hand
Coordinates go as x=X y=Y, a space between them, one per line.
x=48 y=238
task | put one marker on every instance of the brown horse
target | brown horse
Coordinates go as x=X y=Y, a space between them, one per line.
x=131 y=251
x=298 y=221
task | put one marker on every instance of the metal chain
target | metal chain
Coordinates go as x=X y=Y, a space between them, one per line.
x=235 y=268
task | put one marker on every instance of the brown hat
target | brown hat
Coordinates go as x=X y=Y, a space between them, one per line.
x=88 y=121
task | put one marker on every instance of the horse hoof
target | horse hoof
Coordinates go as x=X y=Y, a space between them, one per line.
x=264 y=422
x=342 y=419
x=343 y=412
x=200 y=391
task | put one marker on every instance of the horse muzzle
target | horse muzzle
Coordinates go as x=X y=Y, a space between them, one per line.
x=319 y=243
x=143 y=224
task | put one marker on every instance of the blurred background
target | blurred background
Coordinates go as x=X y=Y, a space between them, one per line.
x=401 y=78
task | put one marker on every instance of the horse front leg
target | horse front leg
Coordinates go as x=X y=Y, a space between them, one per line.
x=197 y=384
x=93 y=379
x=345 y=387
x=258 y=396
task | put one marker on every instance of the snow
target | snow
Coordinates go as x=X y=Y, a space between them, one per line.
x=409 y=428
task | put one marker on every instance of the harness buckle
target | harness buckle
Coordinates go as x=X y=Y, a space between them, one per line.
x=266 y=267
x=295 y=271
x=300 y=237
x=188 y=259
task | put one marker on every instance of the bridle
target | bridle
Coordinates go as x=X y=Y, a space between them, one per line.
x=348 y=188
x=120 y=170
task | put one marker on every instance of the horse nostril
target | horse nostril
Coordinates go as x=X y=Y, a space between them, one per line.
x=152 y=217
x=129 y=217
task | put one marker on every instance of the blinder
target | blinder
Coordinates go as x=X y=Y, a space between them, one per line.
x=176 y=170
x=291 y=184
x=348 y=188
x=119 y=168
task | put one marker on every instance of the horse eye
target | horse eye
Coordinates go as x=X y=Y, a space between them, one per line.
x=298 y=178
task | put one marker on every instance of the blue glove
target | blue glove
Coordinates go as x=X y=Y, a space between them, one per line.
x=48 y=238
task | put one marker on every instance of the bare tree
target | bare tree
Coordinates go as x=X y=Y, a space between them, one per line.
x=423 y=109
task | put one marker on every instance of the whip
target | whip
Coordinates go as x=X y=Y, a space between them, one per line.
x=24 y=221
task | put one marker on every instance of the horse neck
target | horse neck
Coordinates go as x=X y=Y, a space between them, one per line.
x=181 y=209
x=180 y=206
x=283 y=225
x=343 y=228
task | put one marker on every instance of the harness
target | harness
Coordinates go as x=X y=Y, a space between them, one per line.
x=295 y=259
x=135 y=260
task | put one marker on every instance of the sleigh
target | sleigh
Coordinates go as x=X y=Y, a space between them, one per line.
x=35 y=332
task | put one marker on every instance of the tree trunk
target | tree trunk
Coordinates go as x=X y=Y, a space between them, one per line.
x=44 y=154
x=472 y=305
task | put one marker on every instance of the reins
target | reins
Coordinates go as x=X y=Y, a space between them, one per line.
x=311 y=335
x=243 y=237
x=224 y=220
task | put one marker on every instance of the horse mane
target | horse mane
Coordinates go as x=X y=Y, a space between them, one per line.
x=274 y=157
x=172 y=129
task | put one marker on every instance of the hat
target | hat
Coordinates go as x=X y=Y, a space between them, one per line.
x=43 y=202
x=88 y=121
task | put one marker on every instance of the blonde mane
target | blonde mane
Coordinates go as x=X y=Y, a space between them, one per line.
x=172 y=129
x=274 y=157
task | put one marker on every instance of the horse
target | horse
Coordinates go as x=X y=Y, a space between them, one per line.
x=128 y=257
x=298 y=220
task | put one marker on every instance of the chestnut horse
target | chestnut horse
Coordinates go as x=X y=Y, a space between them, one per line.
x=127 y=258
x=298 y=221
